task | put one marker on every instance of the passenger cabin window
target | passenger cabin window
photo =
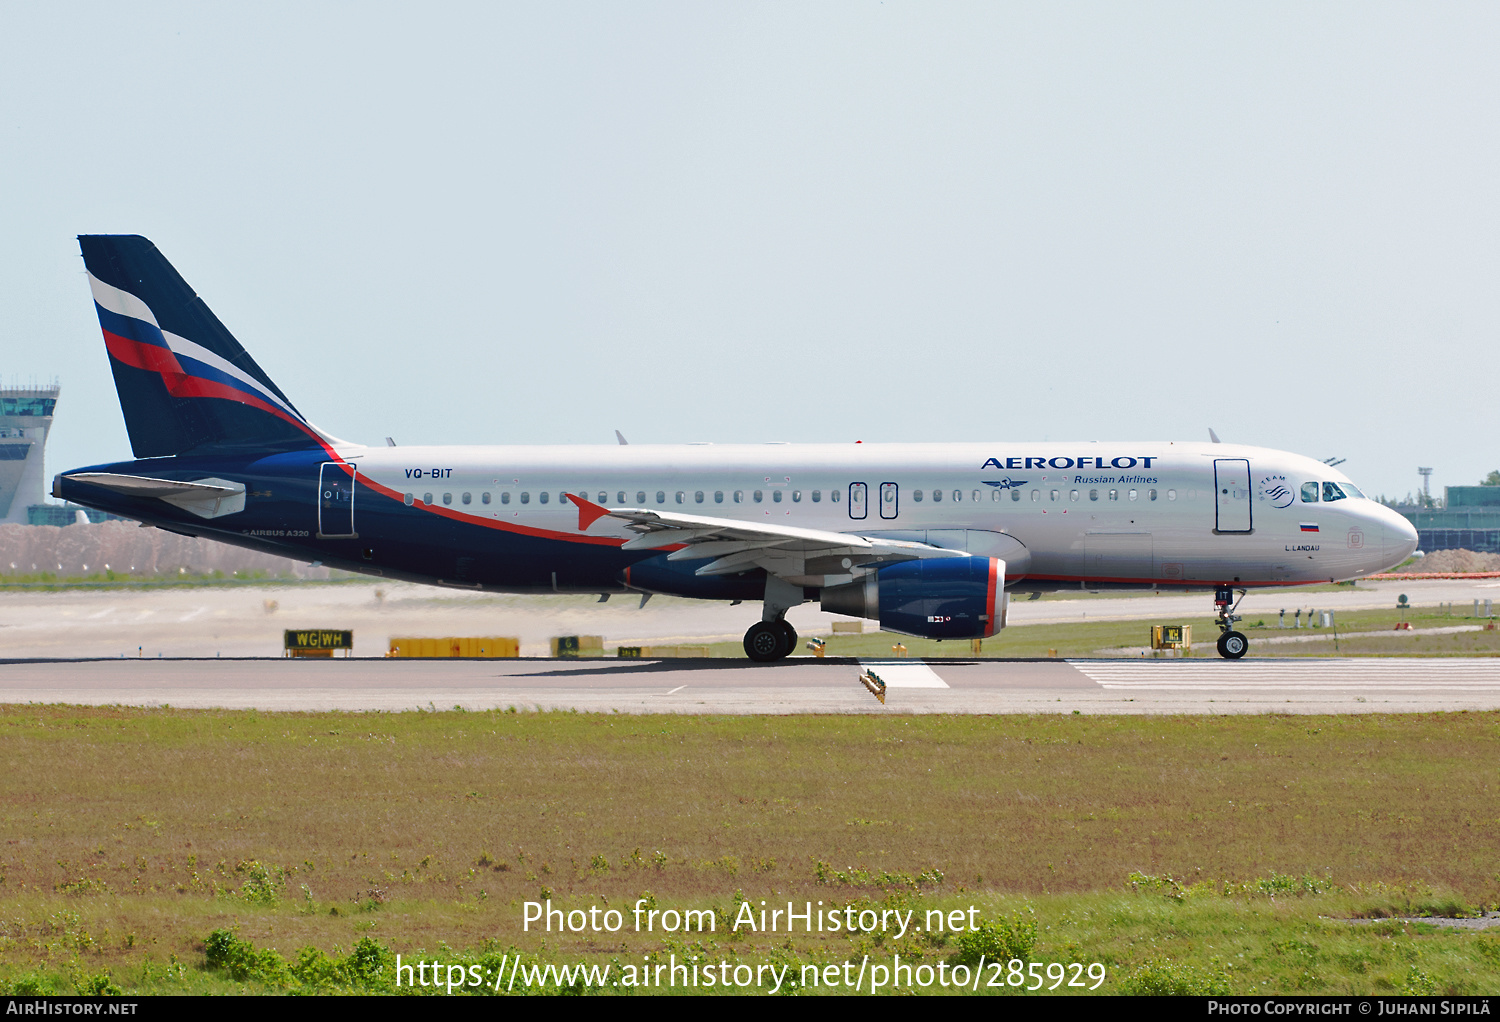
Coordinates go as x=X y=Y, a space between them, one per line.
x=817 y=495
x=1331 y=491
x=858 y=501
x=680 y=495
x=447 y=498
x=484 y=498
x=776 y=496
x=937 y=495
x=640 y=496
x=757 y=496
x=1114 y=494
x=408 y=499
x=427 y=498
x=604 y=497
x=1133 y=494
x=958 y=496
x=974 y=496
x=543 y=497
x=661 y=496
x=1073 y=495
x=1054 y=496
x=525 y=497
x=562 y=498
x=505 y=497
x=718 y=496
x=739 y=496
x=468 y=498
x=796 y=496
x=916 y=495
x=621 y=495
x=1036 y=495
x=835 y=496
x=1093 y=495
x=698 y=497
x=1014 y=494
x=1309 y=493
x=1171 y=495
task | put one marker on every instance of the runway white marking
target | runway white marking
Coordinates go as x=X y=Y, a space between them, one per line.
x=192 y=614
x=904 y=674
x=1395 y=675
x=106 y=612
x=676 y=690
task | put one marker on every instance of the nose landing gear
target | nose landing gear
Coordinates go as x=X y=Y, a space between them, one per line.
x=1232 y=644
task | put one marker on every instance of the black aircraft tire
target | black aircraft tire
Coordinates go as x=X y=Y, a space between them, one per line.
x=766 y=641
x=1233 y=645
x=791 y=636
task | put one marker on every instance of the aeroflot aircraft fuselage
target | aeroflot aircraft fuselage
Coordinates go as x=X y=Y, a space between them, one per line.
x=925 y=538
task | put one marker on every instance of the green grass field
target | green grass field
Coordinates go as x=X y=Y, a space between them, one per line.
x=166 y=850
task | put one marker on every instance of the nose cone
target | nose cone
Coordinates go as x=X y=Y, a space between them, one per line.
x=1400 y=536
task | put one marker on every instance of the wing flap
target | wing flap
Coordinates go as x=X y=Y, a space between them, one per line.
x=807 y=556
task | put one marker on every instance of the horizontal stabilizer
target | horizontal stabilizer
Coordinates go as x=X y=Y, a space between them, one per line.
x=206 y=498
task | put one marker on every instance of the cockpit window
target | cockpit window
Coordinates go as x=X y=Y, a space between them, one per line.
x=1352 y=490
x=1331 y=491
x=1309 y=493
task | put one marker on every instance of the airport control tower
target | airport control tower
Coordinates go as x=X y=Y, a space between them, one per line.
x=25 y=420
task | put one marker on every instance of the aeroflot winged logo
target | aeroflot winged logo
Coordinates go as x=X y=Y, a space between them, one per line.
x=1062 y=462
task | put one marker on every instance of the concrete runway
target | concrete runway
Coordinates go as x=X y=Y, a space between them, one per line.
x=798 y=685
x=247 y=621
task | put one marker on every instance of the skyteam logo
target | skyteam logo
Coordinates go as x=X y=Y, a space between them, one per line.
x=1275 y=489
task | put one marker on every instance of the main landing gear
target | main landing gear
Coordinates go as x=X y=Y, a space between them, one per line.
x=770 y=640
x=1232 y=644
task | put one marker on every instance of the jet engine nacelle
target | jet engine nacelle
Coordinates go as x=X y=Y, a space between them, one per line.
x=934 y=598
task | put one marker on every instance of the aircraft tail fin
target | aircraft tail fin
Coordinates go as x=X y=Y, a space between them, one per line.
x=184 y=382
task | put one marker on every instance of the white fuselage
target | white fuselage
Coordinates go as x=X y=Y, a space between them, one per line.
x=1135 y=514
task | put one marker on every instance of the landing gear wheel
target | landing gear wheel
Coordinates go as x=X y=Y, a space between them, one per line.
x=1233 y=645
x=767 y=641
x=791 y=636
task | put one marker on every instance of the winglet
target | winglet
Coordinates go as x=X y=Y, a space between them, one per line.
x=588 y=511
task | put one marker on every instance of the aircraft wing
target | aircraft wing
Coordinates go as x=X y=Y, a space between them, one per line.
x=800 y=556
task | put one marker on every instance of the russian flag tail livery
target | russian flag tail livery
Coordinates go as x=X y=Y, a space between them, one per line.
x=184 y=381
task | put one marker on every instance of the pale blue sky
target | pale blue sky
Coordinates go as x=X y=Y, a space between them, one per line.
x=539 y=223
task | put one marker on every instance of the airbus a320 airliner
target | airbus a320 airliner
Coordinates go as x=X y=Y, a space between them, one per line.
x=927 y=539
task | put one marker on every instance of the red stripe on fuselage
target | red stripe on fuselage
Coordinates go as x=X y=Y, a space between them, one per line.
x=1168 y=582
x=524 y=530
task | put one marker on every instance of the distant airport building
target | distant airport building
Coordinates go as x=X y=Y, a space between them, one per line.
x=25 y=421
x=1468 y=520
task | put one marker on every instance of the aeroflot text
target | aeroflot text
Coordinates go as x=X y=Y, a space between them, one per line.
x=806 y=918
x=1088 y=462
